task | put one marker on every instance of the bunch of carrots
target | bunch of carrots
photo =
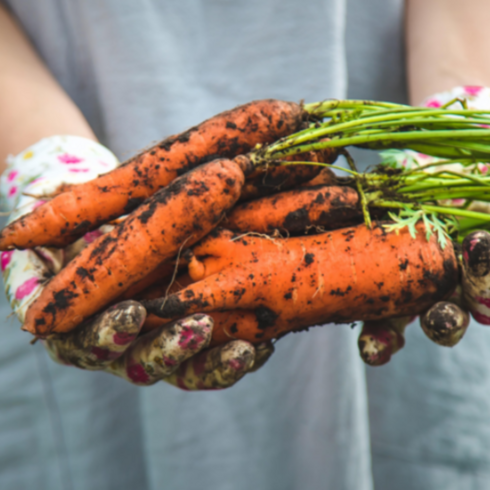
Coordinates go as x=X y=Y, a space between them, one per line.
x=242 y=217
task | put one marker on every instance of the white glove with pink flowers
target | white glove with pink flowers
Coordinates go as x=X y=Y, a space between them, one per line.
x=110 y=342
x=446 y=322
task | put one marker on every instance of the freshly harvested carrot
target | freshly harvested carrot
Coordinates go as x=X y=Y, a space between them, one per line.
x=324 y=177
x=226 y=323
x=163 y=272
x=269 y=180
x=160 y=289
x=297 y=210
x=86 y=206
x=176 y=216
x=290 y=284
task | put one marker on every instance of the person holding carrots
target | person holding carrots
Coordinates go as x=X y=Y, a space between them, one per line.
x=129 y=72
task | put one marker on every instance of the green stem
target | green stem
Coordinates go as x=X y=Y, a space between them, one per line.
x=418 y=117
x=452 y=211
x=456 y=135
x=430 y=183
x=462 y=161
x=447 y=210
x=380 y=141
x=362 y=196
x=319 y=108
x=444 y=151
x=285 y=163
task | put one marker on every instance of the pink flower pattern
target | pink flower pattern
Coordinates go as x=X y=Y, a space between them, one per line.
x=483 y=301
x=472 y=90
x=78 y=170
x=101 y=354
x=37 y=204
x=26 y=288
x=434 y=103
x=458 y=202
x=105 y=354
x=68 y=159
x=168 y=361
x=481 y=318
x=123 y=338
x=236 y=364
x=5 y=259
x=482 y=167
x=92 y=235
x=137 y=374
x=190 y=339
x=11 y=175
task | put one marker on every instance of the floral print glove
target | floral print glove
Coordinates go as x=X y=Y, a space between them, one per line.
x=446 y=322
x=109 y=341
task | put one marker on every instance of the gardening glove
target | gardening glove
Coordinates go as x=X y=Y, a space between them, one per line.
x=109 y=341
x=445 y=322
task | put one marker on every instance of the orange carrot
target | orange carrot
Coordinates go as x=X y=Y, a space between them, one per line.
x=290 y=284
x=176 y=216
x=324 y=177
x=225 y=323
x=86 y=206
x=163 y=272
x=297 y=210
x=273 y=179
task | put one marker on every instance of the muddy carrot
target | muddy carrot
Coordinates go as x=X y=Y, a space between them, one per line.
x=86 y=206
x=273 y=179
x=176 y=216
x=339 y=276
x=225 y=322
x=324 y=177
x=163 y=272
x=297 y=210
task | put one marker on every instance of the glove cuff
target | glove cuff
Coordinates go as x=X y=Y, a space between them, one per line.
x=51 y=162
x=476 y=97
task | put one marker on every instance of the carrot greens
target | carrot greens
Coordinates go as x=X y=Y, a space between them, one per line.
x=441 y=191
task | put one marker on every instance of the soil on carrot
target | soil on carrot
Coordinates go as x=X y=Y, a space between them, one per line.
x=308 y=278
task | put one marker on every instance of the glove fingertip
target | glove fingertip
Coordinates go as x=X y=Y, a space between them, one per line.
x=445 y=323
x=476 y=253
x=263 y=352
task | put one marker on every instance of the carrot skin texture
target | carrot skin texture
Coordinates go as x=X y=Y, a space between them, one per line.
x=176 y=216
x=340 y=276
x=273 y=179
x=295 y=211
x=71 y=214
x=226 y=323
x=162 y=272
x=324 y=177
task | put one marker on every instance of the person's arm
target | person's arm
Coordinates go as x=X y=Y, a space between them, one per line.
x=448 y=45
x=32 y=103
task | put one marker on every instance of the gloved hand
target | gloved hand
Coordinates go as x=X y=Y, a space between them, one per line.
x=174 y=353
x=445 y=322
